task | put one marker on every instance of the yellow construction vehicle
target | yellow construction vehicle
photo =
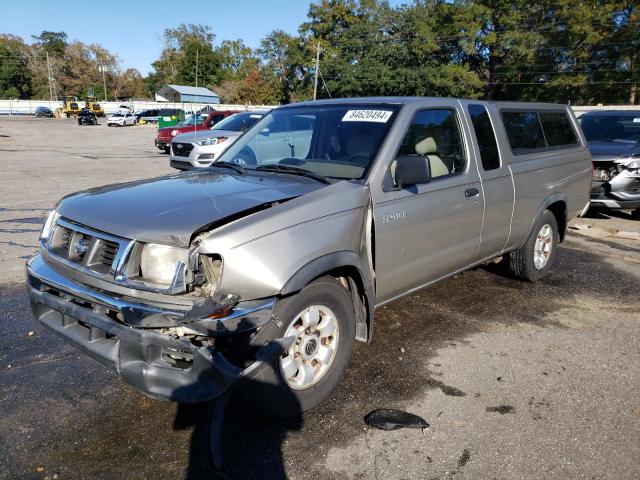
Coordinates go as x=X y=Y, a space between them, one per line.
x=70 y=108
x=94 y=106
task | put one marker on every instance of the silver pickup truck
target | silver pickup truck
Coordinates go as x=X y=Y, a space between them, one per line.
x=266 y=267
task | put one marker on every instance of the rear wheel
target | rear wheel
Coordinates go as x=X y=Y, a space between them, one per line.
x=536 y=257
x=321 y=317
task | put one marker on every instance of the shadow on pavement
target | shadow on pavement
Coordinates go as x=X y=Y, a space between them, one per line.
x=231 y=431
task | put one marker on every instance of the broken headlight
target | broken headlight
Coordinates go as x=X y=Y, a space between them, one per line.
x=161 y=263
x=210 y=275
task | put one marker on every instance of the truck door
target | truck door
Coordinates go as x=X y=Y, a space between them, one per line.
x=497 y=183
x=425 y=232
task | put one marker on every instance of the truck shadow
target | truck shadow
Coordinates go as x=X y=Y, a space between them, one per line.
x=250 y=443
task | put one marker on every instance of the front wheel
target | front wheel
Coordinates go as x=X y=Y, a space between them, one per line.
x=322 y=318
x=536 y=257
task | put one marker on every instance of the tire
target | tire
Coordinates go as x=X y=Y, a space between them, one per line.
x=523 y=261
x=269 y=391
x=635 y=214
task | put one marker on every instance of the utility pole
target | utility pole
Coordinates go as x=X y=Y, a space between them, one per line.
x=197 y=51
x=194 y=113
x=49 y=77
x=103 y=69
x=315 y=83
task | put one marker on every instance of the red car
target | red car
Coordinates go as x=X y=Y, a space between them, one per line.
x=198 y=121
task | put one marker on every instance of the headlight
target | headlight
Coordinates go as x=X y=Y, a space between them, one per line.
x=160 y=263
x=51 y=220
x=211 y=141
x=174 y=133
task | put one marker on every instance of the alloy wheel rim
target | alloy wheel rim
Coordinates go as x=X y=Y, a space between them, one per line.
x=543 y=247
x=313 y=352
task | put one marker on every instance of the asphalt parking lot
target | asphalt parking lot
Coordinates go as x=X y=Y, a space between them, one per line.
x=516 y=380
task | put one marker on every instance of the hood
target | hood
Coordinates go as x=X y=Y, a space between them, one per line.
x=613 y=150
x=171 y=209
x=202 y=134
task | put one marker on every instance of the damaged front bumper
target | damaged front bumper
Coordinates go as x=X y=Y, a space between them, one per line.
x=167 y=367
x=616 y=184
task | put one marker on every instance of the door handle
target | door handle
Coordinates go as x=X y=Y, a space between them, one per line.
x=471 y=192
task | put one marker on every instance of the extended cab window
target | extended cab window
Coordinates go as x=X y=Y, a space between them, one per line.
x=534 y=130
x=435 y=134
x=485 y=136
x=557 y=128
x=523 y=130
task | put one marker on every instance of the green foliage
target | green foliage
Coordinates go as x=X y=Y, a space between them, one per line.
x=54 y=43
x=14 y=77
x=578 y=51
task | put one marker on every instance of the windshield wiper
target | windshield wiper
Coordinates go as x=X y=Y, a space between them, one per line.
x=233 y=166
x=294 y=171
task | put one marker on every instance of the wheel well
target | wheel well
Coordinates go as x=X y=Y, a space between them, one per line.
x=559 y=210
x=351 y=279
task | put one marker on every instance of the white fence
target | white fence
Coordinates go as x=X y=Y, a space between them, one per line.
x=28 y=107
x=579 y=109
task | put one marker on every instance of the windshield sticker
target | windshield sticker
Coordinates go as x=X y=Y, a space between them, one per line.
x=378 y=116
x=255 y=115
x=636 y=120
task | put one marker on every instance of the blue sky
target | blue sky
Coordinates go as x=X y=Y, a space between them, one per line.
x=132 y=28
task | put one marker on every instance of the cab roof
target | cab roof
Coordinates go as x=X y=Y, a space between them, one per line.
x=406 y=100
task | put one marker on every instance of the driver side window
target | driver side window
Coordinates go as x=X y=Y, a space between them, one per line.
x=435 y=135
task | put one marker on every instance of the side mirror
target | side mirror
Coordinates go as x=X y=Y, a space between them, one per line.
x=412 y=170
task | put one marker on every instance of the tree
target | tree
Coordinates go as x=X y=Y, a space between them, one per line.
x=177 y=63
x=200 y=57
x=15 y=81
x=255 y=89
x=129 y=84
x=55 y=43
x=238 y=60
x=287 y=59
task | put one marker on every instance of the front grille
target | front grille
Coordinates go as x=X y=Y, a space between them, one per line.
x=107 y=252
x=85 y=248
x=181 y=149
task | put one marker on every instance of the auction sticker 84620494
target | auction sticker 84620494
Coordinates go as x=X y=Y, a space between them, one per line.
x=378 y=116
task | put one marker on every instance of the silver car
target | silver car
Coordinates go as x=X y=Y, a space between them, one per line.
x=201 y=148
x=265 y=268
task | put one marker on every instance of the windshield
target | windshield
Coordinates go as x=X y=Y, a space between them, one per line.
x=238 y=122
x=117 y=115
x=337 y=141
x=611 y=128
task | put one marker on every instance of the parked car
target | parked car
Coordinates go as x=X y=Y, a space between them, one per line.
x=44 y=112
x=614 y=142
x=121 y=119
x=268 y=265
x=149 y=116
x=200 y=148
x=87 y=117
x=193 y=123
